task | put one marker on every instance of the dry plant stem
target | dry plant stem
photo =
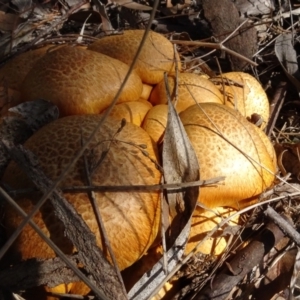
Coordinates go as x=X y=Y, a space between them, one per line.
x=218 y=46
x=176 y=78
x=284 y=225
x=101 y=225
x=90 y=138
x=75 y=228
x=284 y=15
x=165 y=223
x=233 y=32
x=292 y=21
x=272 y=41
x=241 y=264
x=32 y=272
x=127 y=188
x=275 y=106
x=62 y=256
x=68 y=296
x=71 y=38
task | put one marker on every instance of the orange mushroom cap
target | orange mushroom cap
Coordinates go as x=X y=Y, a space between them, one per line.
x=79 y=81
x=155 y=122
x=132 y=111
x=156 y=58
x=147 y=89
x=248 y=98
x=192 y=89
x=131 y=219
x=226 y=144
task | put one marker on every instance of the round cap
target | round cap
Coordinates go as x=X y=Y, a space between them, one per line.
x=226 y=144
x=79 y=81
x=244 y=93
x=192 y=89
x=131 y=219
x=156 y=58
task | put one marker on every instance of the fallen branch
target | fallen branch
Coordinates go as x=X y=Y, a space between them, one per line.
x=36 y=272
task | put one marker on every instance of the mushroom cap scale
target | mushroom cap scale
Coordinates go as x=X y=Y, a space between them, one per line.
x=156 y=58
x=131 y=219
x=226 y=144
x=79 y=81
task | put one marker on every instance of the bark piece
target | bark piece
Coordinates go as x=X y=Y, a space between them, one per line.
x=224 y=18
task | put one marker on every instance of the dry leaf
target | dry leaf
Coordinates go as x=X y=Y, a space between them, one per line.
x=254 y=8
x=37 y=113
x=132 y=5
x=22 y=34
x=101 y=9
x=287 y=57
x=24 y=7
x=288 y=158
x=180 y=165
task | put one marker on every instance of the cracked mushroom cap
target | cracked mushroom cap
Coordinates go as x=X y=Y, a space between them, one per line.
x=192 y=89
x=13 y=73
x=156 y=58
x=226 y=144
x=16 y=69
x=131 y=219
x=79 y=81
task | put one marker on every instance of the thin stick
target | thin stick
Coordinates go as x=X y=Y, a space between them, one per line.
x=218 y=46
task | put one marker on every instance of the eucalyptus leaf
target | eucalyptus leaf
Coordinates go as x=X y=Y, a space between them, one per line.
x=180 y=165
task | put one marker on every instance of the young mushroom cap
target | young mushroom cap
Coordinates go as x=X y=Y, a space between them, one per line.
x=244 y=93
x=156 y=58
x=147 y=89
x=79 y=81
x=192 y=89
x=203 y=222
x=226 y=144
x=132 y=111
x=131 y=219
x=155 y=122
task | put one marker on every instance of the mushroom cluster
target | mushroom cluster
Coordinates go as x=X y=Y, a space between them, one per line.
x=83 y=83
